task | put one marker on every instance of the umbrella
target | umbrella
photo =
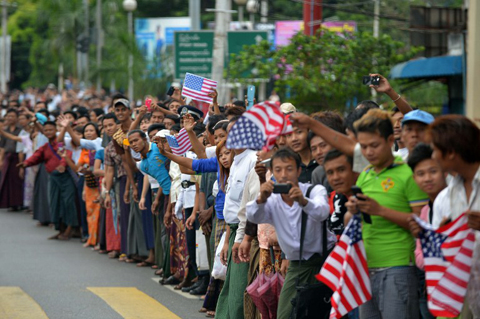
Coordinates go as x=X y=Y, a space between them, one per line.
x=270 y=293
x=252 y=290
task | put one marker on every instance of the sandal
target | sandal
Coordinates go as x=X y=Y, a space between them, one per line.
x=210 y=314
x=122 y=257
x=144 y=264
x=155 y=267
x=203 y=310
x=159 y=272
x=130 y=261
x=113 y=254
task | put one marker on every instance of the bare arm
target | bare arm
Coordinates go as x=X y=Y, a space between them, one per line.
x=197 y=147
x=385 y=87
x=97 y=171
x=109 y=173
x=141 y=113
x=337 y=140
x=10 y=136
x=146 y=187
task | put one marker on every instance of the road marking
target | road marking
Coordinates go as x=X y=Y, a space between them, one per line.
x=16 y=303
x=178 y=292
x=131 y=303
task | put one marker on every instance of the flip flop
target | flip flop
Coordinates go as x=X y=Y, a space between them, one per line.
x=144 y=264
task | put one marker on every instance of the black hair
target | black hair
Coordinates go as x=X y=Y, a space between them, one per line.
x=199 y=128
x=46 y=111
x=353 y=117
x=28 y=116
x=239 y=103
x=174 y=118
x=156 y=126
x=213 y=120
x=333 y=154
x=75 y=116
x=98 y=111
x=40 y=102
x=331 y=119
x=235 y=111
x=110 y=116
x=83 y=115
x=142 y=133
x=221 y=125
x=94 y=126
x=147 y=116
x=369 y=104
x=286 y=153
x=176 y=128
x=118 y=96
x=234 y=119
x=82 y=110
x=12 y=110
x=420 y=153
x=50 y=123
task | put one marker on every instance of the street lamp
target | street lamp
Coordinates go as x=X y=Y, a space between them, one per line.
x=130 y=6
x=252 y=7
x=240 y=4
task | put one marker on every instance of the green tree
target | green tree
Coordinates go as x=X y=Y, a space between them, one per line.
x=323 y=71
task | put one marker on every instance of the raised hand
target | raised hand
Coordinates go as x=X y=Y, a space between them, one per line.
x=188 y=122
x=382 y=87
x=63 y=121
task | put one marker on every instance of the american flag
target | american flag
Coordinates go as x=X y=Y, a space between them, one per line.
x=257 y=128
x=198 y=88
x=447 y=254
x=180 y=144
x=346 y=272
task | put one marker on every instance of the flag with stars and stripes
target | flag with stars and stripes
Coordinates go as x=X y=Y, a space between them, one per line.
x=345 y=271
x=257 y=128
x=198 y=88
x=447 y=253
x=180 y=144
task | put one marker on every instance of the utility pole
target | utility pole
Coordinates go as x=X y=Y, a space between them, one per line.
x=312 y=15
x=194 y=12
x=3 y=78
x=219 y=46
x=376 y=31
x=99 y=28
x=264 y=11
x=87 y=41
x=473 y=62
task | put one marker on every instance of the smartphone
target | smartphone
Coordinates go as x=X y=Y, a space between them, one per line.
x=281 y=188
x=148 y=103
x=170 y=91
x=357 y=190
x=371 y=80
x=250 y=96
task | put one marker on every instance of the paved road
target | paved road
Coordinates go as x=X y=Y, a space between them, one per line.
x=42 y=278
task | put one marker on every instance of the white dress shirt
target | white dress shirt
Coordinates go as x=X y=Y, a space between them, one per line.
x=252 y=187
x=287 y=221
x=451 y=203
x=241 y=166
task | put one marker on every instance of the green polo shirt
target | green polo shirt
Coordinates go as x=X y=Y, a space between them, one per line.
x=386 y=243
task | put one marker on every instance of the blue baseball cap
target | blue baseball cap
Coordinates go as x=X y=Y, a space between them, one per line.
x=419 y=116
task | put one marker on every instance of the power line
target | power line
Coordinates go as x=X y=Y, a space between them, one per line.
x=366 y=13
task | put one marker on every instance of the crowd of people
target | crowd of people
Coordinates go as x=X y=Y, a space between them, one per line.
x=102 y=168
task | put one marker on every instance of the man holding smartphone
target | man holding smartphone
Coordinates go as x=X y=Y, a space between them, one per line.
x=284 y=212
x=390 y=196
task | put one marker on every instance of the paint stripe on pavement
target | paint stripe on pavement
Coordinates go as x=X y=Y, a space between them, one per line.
x=16 y=303
x=131 y=303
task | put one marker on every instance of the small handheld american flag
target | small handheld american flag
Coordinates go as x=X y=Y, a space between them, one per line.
x=180 y=144
x=346 y=272
x=447 y=253
x=198 y=88
x=257 y=128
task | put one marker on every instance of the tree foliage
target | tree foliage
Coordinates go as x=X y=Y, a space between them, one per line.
x=322 y=71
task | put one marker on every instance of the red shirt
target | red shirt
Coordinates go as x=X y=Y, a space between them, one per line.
x=45 y=155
